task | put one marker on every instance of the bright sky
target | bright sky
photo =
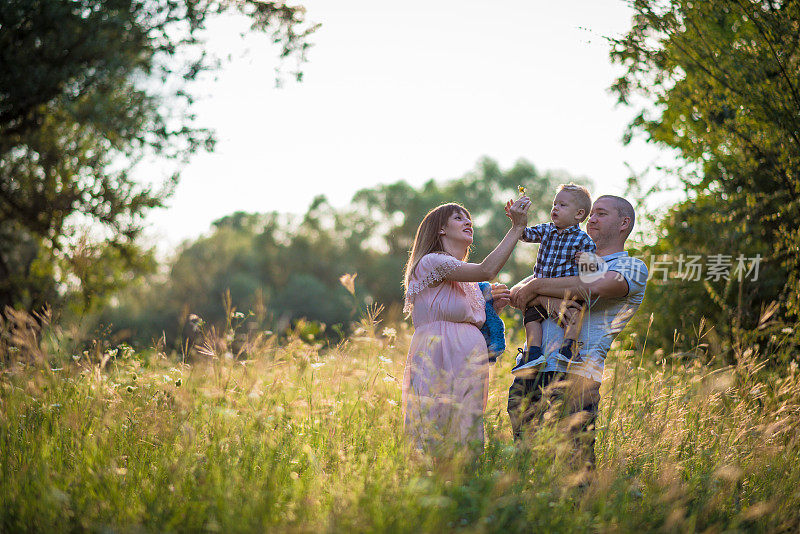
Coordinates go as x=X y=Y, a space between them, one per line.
x=407 y=91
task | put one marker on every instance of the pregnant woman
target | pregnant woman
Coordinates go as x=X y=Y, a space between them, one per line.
x=447 y=371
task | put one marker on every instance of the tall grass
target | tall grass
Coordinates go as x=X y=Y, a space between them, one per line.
x=301 y=438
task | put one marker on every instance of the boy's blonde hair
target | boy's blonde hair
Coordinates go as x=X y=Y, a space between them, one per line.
x=581 y=196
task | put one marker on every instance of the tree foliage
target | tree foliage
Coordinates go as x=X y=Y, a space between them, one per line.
x=283 y=267
x=88 y=88
x=721 y=84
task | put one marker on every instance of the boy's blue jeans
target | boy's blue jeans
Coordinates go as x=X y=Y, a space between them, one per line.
x=573 y=399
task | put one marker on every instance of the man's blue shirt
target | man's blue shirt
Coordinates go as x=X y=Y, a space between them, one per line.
x=605 y=318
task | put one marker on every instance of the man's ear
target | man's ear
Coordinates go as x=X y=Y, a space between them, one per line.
x=626 y=223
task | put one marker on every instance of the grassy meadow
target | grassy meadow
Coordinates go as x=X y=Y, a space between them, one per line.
x=300 y=437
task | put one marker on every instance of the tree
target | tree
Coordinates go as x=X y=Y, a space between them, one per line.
x=721 y=82
x=88 y=88
x=285 y=268
x=684 y=291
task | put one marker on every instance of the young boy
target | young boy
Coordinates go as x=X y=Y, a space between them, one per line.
x=560 y=241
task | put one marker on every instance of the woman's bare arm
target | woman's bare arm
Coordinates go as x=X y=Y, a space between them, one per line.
x=488 y=268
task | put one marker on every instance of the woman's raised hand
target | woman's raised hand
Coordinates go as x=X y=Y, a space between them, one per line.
x=518 y=211
x=491 y=265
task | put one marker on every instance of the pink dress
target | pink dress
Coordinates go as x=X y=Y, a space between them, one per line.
x=447 y=371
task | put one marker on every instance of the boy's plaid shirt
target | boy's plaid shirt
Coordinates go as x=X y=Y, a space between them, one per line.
x=556 y=256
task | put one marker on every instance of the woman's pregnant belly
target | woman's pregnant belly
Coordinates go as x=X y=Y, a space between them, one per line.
x=448 y=344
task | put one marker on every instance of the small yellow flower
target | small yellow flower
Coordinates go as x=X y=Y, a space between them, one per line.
x=521 y=190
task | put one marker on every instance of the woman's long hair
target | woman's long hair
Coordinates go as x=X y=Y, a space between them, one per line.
x=428 y=238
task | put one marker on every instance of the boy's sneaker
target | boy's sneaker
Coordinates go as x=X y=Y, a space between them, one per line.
x=571 y=351
x=526 y=368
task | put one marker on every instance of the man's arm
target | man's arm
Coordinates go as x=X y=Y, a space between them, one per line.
x=611 y=285
x=516 y=302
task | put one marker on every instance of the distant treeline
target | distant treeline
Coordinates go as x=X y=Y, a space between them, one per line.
x=275 y=268
x=716 y=82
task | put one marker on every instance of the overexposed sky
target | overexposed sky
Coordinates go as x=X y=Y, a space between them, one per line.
x=406 y=91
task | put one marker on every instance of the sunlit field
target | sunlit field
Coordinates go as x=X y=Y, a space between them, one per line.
x=298 y=436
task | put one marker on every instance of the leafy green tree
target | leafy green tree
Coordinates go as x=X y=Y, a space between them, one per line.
x=87 y=89
x=721 y=84
x=686 y=294
x=284 y=268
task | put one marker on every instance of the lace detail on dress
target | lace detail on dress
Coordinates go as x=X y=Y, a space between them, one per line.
x=477 y=300
x=439 y=272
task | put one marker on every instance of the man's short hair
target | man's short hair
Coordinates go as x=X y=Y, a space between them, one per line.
x=581 y=196
x=624 y=209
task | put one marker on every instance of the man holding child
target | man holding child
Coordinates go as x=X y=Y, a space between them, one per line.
x=611 y=296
